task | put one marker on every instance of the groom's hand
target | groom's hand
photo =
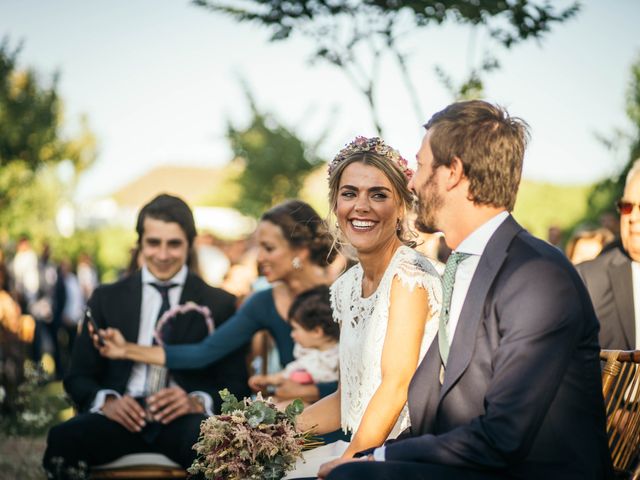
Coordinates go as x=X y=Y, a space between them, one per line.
x=327 y=468
x=169 y=404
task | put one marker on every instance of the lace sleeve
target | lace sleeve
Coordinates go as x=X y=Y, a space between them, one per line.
x=340 y=293
x=414 y=269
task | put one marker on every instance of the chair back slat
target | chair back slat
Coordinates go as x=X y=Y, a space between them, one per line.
x=621 y=390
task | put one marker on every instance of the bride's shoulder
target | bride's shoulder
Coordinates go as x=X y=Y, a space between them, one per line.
x=415 y=269
x=410 y=260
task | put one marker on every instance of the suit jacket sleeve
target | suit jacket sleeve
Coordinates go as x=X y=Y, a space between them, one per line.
x=540 y=321
x=87 y=366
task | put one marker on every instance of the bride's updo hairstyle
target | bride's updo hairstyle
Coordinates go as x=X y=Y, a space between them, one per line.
x=374 y=152
x=302 y=227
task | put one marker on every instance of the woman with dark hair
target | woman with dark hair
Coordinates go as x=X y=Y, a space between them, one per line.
x=294 y=249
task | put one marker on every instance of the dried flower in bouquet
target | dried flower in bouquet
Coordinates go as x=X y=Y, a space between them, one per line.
x=251 y=439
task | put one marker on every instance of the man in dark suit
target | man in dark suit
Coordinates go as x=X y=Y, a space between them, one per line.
x=614 y=276
x=112 y=396
x=512 y=387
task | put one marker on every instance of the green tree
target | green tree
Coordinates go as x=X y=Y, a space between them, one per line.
x=273 y=162
x=33 y=147
x=356 y=36
x=604 y=194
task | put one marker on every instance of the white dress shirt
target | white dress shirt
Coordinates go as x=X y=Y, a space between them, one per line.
x=474 y=244
x=150 y=307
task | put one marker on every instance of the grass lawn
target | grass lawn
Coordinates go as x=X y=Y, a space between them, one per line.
x=21 y=457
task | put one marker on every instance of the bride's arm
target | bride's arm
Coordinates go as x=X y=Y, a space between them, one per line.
x=323 y=416
x=408 y=311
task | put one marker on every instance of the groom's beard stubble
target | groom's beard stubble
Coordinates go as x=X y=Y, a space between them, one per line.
x=427 y=205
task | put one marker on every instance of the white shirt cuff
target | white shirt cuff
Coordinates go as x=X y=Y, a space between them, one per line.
x=378 y=454
x=101 y=396
x=206 y=400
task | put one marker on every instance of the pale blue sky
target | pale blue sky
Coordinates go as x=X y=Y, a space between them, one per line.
x=159 y=79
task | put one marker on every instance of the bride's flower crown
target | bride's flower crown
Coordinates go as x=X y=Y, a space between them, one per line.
x=374 y=144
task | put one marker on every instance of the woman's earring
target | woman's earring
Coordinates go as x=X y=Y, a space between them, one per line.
x=398 y=225
x=296 y=263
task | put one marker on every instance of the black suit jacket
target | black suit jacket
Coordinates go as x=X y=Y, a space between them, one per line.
x=522 y=390
x=610 y=283
x=118 y=305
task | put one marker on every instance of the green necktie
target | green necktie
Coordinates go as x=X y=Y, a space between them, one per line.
x=448 y=279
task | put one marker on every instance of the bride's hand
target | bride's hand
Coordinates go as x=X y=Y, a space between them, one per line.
x=113 y=344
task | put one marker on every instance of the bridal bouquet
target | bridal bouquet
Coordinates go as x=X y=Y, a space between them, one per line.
x=251 y=439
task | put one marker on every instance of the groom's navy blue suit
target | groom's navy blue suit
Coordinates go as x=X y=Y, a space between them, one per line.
x=521 y=396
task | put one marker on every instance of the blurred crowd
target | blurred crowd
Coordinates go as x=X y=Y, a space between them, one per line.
x=42 y=300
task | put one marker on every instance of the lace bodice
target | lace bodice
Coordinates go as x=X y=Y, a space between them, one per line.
x=363 y=326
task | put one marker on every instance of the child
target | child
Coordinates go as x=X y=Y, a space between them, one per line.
x=316 y=343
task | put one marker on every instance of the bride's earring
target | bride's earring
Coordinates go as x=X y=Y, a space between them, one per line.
x=296 y=263
x=398 y=225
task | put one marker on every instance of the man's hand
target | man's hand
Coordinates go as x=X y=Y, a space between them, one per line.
x=289 y=389
x=171 y=403
x=326 y=468
x=126 y=411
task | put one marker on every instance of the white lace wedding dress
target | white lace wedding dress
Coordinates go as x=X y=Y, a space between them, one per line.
x=363 y=326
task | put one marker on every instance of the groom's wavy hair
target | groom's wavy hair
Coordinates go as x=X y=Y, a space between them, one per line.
x=490 y=144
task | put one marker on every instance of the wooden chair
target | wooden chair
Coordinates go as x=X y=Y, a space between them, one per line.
x=138 y=466
x=621 y=390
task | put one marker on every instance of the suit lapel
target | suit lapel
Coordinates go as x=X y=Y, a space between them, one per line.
x=131 y=304
x=622 y=285
x=472 y=309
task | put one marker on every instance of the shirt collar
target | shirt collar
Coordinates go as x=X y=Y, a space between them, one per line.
x=476 y=242
x=179 y=278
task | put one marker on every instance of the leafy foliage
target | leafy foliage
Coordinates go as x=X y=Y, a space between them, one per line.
x=275 y=162
x=541 y=205
x=355 y=35
x=251 y=439
x=604 y=194
x=32 y=146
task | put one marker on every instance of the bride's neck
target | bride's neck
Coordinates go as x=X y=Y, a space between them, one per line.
x=375 y=263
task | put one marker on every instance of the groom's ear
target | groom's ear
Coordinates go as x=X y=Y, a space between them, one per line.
x=455 y=174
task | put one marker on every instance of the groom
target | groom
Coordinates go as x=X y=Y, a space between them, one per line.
x=512 y=387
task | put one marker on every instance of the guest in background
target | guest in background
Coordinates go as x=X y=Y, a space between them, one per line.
x=111 y=396
x=294 y=250
x=316 y=343
x=613 y=279
x=87 y=275
x=587 y=244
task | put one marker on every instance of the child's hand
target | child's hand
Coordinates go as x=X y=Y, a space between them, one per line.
x=257 y=383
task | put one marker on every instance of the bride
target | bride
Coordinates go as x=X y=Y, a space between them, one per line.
x=387 y=304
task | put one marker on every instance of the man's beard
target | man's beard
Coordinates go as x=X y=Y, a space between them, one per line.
x=427 y=205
